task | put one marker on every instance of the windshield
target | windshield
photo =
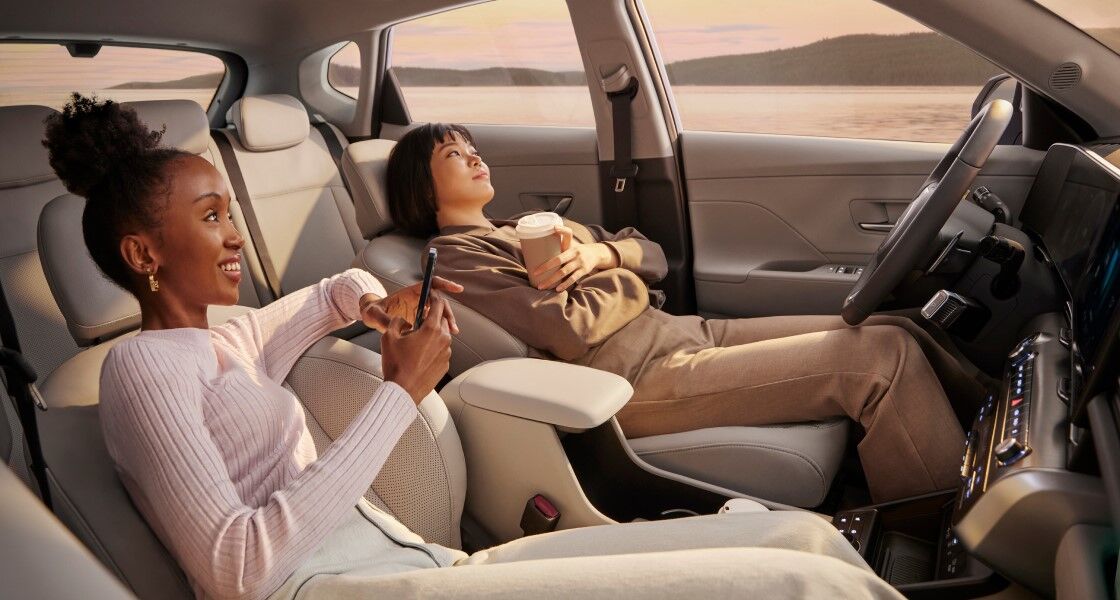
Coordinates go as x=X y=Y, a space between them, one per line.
x=1098 y=18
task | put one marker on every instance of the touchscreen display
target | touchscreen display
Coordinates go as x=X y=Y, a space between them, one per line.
x=1083 y=239
x=1098 y=292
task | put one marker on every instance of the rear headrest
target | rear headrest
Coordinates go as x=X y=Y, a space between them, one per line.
x=272 y=122
x=186 y=123
x=364 y=164
x=23 y=159
x=94 y=307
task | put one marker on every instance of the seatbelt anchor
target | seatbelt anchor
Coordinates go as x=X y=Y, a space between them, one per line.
x=622 y=175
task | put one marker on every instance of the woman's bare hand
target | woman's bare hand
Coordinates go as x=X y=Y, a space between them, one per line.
x=416 y=359
x=377 y=314
x=575 y=261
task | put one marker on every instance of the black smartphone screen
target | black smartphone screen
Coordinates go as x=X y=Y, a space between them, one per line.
x=425 y=288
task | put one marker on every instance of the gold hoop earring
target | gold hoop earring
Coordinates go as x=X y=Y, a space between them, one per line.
x=153 y=283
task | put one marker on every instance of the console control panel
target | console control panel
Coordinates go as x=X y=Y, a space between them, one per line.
x=1000 y=433
x=857 y=526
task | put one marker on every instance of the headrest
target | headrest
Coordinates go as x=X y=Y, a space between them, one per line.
x=186 y=123
x=23 y=159
x=94 y=307
x=272 y=122
x=364 y=164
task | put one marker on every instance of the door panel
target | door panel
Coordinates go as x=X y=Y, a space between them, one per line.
x=532 y=167
x=770 y=213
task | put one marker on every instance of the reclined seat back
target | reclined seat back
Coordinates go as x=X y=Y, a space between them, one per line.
x=422 y=484
x=394 y=258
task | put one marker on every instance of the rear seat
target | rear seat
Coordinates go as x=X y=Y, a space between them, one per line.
x=305 y=213
x=27 y=183
x=303 y=210
x=90 y=323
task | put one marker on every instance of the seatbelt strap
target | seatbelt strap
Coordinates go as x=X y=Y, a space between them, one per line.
x=335 y=149
x=20 y=378
x=238 y=181
x=623 y=173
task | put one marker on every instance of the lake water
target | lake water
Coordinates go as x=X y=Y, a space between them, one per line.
x=933 y=113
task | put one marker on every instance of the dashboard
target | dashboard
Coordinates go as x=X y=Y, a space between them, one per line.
x=1019 y=495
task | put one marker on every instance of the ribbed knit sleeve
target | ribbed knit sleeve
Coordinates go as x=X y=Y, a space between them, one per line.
x=275 y=336
x=153 y=418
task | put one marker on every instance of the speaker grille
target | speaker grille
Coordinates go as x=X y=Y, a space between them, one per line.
x=1065 y=76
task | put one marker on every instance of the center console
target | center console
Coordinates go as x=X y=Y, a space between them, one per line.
x=1016 y=499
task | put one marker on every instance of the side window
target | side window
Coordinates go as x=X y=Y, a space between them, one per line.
x=344 y=70
x=510 y=62
x=46 y=74
x=839 y=68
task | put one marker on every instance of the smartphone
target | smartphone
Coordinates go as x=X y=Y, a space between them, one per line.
x=425 y=288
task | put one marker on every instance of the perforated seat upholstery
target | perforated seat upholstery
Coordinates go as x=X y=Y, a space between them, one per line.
x=793 y=464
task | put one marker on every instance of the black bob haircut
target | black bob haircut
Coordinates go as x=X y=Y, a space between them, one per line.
x=103 y=152
x=411 y=191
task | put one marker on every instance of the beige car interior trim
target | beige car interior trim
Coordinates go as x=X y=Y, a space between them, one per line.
x=646 y=466
x=568 y=396
x=40 y=558
x=607 y=41
x=512 y=459
x=792 y=464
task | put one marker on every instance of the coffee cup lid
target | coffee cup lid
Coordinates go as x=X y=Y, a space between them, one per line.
x=538 y=224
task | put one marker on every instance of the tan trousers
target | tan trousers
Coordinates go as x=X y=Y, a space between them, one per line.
x=886 y=375
x=788 y=554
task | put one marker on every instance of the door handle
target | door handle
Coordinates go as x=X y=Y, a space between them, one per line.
x=877 y=227
x=557 y=203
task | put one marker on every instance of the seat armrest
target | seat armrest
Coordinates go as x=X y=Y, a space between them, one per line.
x=568 y=396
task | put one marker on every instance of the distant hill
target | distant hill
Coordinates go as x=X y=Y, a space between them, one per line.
x=907 y=59
x=206 y=80
x=865 y=59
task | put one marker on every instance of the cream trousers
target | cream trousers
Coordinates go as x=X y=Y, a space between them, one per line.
x=776 y=555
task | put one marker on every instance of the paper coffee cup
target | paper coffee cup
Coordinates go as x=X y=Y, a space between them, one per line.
x=539 y=240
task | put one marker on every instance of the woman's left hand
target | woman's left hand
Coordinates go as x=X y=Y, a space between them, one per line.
x=378 y=312
x=574 y=263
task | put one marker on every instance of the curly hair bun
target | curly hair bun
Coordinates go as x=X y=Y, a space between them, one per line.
x=90 y=141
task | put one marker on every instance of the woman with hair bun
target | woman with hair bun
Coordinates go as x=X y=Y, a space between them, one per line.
x=216 y=455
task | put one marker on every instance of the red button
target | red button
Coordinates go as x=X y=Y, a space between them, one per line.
x=1016 y=401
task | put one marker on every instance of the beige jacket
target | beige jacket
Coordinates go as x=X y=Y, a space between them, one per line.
x=605 y=321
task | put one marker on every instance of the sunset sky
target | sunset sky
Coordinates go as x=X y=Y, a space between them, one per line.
x=533 y=33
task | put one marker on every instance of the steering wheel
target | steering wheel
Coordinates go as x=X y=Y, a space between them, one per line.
x=918 y=225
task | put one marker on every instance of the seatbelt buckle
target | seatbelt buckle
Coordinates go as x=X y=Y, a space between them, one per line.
x=540 y=516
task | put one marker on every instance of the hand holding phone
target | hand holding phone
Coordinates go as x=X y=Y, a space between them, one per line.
x=425 y=288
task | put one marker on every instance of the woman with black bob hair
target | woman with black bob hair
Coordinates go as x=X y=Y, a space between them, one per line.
x=216 y=455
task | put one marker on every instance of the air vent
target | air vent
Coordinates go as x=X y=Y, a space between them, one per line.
x=1065 y=76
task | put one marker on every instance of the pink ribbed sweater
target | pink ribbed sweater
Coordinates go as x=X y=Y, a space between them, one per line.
x=215 y=452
